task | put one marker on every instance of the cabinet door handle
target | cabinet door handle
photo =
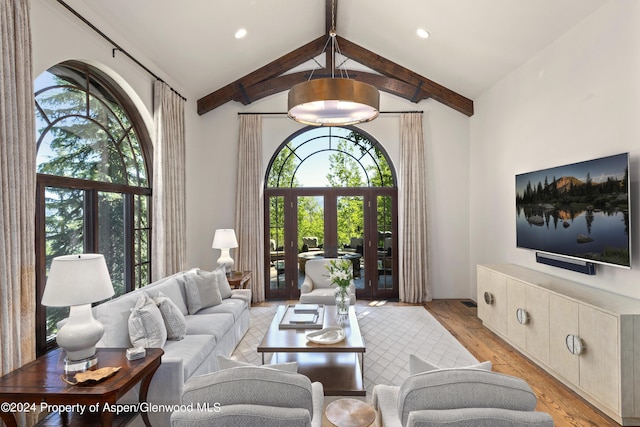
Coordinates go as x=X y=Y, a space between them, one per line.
x=522 y=316
x=488 y=298
x=575 y=345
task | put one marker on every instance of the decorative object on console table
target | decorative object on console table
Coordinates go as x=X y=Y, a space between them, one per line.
x=77 y=281
x=239 y=279
x=225 y=239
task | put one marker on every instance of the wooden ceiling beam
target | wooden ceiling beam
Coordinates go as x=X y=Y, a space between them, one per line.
x=273 y=69
x=391 y=69
x=395 y=79
x=283 y=83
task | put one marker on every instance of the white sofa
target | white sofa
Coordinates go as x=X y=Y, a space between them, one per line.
x=317 y=288
x=211 y=331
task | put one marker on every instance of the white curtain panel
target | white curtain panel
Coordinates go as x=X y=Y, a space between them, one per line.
x=169 y=245
x=413 y=254
x=249 y=203
x=18 y=189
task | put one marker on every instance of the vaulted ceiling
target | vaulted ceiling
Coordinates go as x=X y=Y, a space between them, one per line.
x=472 y=44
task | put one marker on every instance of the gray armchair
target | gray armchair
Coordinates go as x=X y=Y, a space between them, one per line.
x=250 y=396
x=317 y=288
x=460 y=397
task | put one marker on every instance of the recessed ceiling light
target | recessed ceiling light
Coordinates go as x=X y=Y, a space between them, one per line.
x=422 y=33
x=241 y=33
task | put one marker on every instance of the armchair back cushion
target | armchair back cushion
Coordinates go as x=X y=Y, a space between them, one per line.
x=251 y=385
x=316 y=270
x=457 y=388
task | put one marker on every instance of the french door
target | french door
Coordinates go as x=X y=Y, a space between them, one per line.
x=358 y=224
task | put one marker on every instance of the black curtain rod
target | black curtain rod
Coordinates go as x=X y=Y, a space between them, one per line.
x=280 y=114
x=116 y=47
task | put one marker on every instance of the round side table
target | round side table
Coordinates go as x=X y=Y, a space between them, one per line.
x=350 y=413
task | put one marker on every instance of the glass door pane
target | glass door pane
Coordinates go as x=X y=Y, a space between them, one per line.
x=64 y=235
x=385 y=244
x=311 y=223
x=276 y=243
x=350 y=233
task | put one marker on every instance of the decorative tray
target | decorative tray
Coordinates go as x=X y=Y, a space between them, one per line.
x=330 y=335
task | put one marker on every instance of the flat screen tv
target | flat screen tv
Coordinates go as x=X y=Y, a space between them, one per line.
x=580 y=210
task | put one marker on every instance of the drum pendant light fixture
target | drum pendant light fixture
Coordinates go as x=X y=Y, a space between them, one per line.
x=333 y=101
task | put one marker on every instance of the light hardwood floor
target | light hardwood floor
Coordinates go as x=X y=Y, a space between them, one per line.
x=565 y=406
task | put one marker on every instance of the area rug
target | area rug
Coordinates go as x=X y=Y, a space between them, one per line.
x=391 y=334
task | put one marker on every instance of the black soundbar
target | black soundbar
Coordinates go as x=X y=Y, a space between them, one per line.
x=584 y=267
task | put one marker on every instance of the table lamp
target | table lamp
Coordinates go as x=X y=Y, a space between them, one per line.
x=225 y=239
x=77 y=281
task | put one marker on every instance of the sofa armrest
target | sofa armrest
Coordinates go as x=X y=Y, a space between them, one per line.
x=307 y=285
x=467 y=417
x=243 y=414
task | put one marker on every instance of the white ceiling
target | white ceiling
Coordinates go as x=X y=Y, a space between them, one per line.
x=473 y=43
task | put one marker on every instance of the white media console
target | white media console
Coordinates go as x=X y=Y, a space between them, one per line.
x=587 y=338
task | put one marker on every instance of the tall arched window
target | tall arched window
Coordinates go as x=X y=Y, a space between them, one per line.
x=93 y=182
x=331 y=191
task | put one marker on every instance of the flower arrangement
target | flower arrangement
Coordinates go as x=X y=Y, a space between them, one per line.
x=340 y=274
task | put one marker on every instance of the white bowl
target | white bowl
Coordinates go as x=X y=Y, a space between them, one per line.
x=330 y=335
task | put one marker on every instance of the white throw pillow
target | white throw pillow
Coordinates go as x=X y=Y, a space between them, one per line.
x=418 y=366
x=146 y=326
x=174 y=320
x=202 y=291
x=223 y=282
x=226 y=363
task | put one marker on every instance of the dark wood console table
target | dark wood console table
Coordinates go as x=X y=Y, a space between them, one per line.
x=239 y=279
x=39 y=383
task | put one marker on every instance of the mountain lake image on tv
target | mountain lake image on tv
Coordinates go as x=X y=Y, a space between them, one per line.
x=579 y=210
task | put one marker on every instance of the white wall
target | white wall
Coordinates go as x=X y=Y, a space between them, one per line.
x=576 y=100
x=213 y=166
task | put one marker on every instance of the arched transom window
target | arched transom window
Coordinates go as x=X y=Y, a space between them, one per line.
x=330 y=157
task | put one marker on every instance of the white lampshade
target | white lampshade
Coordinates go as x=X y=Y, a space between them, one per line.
x=225 y=239
x=76 y=280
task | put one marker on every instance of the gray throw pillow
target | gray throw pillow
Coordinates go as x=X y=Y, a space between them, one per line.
x=418 y=365
x=202 y=292
x=226 y=363
x=174 y=320
x=146 y=326
x=223 y=282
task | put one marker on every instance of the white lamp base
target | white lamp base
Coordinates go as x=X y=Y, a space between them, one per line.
x=78 y=338
x=73 y=366
x=226 y=260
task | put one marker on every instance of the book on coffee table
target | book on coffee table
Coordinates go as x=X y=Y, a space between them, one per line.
x=306 y=308
x=303 y=318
